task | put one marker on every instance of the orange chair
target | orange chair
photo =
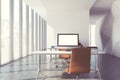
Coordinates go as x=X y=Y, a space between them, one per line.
x=80 y=61
x=64 y=56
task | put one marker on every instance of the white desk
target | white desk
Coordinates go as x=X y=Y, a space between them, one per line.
x=93 y=52
x=51 y=52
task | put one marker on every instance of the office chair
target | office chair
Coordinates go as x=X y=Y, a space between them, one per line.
x=64 y=56
x=80 y=61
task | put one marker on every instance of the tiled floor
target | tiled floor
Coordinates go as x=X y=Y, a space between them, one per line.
x=26 y=69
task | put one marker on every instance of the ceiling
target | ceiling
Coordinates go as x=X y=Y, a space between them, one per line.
x=56 y=8
x=67 y=4
x=66 y=13
x=99 y=9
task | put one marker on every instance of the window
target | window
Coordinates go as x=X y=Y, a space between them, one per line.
x=16 y=31
x=92 y=35
x=5 y=31
x=36 y=26
x=24 y=35
x=35 y=31
x=21 y=30
x=30 y=30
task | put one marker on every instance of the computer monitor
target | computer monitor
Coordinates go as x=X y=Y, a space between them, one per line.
x=67 y=39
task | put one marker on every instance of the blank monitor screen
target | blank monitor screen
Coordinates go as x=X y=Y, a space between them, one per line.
x=67 y=40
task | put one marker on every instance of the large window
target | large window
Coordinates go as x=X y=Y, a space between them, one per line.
x=24 y=35
x=30 y=30
x=21 y=30
x=5 y=31
x=40 y=33
x=16 y=31
x=34 y=31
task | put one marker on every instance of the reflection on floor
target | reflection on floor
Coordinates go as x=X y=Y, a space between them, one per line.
x=109 y=67
x=26 y=69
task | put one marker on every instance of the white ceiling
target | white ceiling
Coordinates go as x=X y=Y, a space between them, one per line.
x=67 y=4
x=58 y=10
x=66 y=13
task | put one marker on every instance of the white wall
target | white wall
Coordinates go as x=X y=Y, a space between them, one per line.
x=71 y=22
x=98 y=32
x=116 y=28
x=108 y=31
x=50 y=36
x=65 y=20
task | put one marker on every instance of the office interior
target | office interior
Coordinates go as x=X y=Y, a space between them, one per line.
x=32 y=25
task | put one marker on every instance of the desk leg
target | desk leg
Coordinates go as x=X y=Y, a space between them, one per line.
x=39 y=66
x=96 y=63
x=39 y=72
x=40 y=62
x=50 y=58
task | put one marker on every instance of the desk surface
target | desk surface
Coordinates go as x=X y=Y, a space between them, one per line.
x=93 y=52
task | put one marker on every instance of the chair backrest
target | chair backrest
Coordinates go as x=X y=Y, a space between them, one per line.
x=80 y=60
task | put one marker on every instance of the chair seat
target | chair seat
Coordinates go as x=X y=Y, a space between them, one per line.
x=64 y=56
